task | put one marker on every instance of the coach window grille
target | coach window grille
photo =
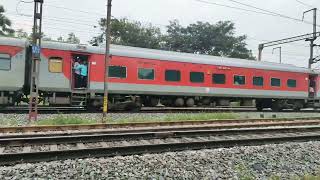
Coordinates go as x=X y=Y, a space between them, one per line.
x=146 y=74
x=55 y=65
x=258 y=81
x=197 y=77
x=239 y=80
x=292 y=83
x=117 y=72
x=275 y=82
x=5 y=62
x=172 y=75
x=218 y=78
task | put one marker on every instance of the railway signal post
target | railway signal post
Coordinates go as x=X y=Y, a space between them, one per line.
x=107 y=59
x=36 y=48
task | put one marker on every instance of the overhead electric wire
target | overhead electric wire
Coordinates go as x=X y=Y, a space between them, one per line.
x=305 y=4
x=76 y=21
x=264 y=10
x=45 y=16
x=17 y=7
x=56 y=19
x=261 y=11
x=232 y=7
x=264 y=40
x=76 y=10
x=80 y=34
x=88 y=32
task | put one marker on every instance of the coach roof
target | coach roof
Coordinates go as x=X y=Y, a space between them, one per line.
x=13 y=42
x=177 y=56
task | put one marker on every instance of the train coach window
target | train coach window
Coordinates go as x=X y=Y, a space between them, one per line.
x=258 y=81
x=292 y=83
x=55 y=65
x=275 y=82
x=197 y=77
x=117 y=72
x=239 y=80
x=5 y=62
x=146 y=74
x=172 y=75
x=218 y=78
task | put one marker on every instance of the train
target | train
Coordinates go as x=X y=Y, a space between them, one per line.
x=140 y=77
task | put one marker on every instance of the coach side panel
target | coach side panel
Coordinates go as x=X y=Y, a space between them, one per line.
x=12 y=67
x=55 y=70
x=57 y=78
x=131 y=84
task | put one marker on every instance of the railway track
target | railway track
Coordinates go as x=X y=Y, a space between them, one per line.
x=24 y=109
x=56 y=147
x=239 y=123
x=42 y=109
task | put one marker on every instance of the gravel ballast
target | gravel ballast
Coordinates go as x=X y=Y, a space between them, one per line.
x=285 y=161
x=22 y=119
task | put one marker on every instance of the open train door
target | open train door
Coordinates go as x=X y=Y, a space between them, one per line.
x=312 y=86
x=80 y=80
x=80 y=68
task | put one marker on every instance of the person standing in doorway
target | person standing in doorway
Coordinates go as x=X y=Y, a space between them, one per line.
x=77 y=78
x=84 y=74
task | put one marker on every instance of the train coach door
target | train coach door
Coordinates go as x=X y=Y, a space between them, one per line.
x=312 y=86
x=80 y=72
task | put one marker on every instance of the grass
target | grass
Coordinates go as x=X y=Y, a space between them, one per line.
x=311 y=177
x=67 y=120
x=175 y=117
x=244 y=172
x=63 y=120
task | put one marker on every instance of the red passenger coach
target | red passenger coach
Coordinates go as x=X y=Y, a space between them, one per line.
x=13 y=55
x=144 y=77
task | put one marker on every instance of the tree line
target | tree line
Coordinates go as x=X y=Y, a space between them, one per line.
x=217 y=39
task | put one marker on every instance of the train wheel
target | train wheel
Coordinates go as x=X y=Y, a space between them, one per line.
x=206 y=101
x=135 y=109
x=275 y=106
x=179 y=102
x=259 y=106
x=154 y=102
x=190 y=102
x=167 y=102
x=297 y=106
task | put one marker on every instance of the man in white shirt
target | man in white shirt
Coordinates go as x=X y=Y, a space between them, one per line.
x=77 y=76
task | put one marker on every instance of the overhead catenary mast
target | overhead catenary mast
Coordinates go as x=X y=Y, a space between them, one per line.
x=306 y=37
x=35 y=62
x=314 y=37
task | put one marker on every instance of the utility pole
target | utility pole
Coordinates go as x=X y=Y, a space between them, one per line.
x=314 y=34
x=280 y=55
x=107 y=59
x=35 y=62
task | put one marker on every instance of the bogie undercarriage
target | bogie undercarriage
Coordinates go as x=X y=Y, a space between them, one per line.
x=125 y=102
x=280 y=104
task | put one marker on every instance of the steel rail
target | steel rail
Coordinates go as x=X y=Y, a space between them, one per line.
x=24 y=129
x=195 y=140
x=202 y=126
x=146 y=134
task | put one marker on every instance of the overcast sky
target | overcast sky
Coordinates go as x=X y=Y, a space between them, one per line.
x=59 y=21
